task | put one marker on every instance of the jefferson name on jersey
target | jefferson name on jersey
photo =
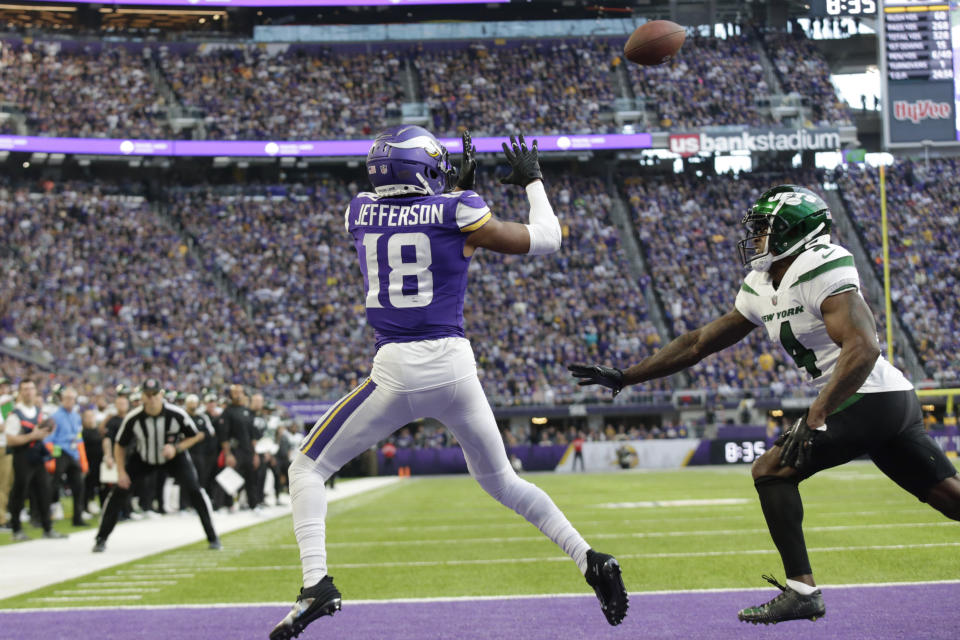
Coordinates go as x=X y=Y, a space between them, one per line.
x=373 y=214
x=792 y=317
x=410 y=251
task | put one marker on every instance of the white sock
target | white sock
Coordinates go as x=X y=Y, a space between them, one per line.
x=800 y=587
x=308 y=498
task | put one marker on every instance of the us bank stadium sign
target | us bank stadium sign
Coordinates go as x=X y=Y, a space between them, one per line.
x=757 y=140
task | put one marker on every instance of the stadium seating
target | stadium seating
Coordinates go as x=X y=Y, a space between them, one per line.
x=255 y=93
x=923 y=210
x=552 y=88
x=93 y=93
x=310 y=293
x=711 y=82
x=239 y=91
x=697 y=272
x=107 y=293
x=802 y=71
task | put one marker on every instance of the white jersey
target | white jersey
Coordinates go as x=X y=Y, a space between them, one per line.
x=792 y=317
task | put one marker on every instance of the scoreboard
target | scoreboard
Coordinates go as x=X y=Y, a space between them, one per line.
x=920 y=64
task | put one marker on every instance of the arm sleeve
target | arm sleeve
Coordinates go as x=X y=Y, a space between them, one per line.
x=544 y=227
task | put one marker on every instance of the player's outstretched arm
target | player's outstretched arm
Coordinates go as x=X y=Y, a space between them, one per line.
x=682 y=352
x=542 y=235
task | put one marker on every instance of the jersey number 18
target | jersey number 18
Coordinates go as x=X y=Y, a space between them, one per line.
x=398 y=270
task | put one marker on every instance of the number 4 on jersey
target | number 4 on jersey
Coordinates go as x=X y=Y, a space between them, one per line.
x=804 y=357
x=397 y=269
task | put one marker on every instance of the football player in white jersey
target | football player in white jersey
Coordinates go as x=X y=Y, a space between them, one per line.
x=805 y=292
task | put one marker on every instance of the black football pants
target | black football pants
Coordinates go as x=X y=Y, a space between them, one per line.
x=26 y=472
x=181 y=468
x=68 y=466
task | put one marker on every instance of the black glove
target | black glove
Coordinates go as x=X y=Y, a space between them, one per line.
x=795 y=451
x=609 y=377
x=524 y=163
x=468 y=165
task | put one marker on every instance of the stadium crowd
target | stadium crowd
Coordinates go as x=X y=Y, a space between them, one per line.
x=711 y=81
x=697 y=273
x=255 y=93
x=107 y=292
x=804 y=73
x=248 y=92
x=498 y=90
x=321 y=329
x=102 y=92
x=923 y=208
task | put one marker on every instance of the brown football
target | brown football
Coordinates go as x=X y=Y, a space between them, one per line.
x=654 y=42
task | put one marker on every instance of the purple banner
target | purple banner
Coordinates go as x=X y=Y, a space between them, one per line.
x=281 y=3
x=118 y=146
x=306 y=411
x=451 y=460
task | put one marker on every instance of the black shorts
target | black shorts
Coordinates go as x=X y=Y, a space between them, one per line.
x=888 y=427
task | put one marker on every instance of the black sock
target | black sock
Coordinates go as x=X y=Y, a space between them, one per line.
x=783 y=509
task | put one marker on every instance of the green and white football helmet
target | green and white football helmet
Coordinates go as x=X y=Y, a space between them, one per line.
x=781 y=223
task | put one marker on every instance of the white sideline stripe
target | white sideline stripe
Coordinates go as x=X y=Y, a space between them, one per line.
x=632 y=556
x=583 y=524
x=97 y=584
x=82 y=598
x=40 y=563
x=118 y=590
x=286 y=604
x=603 y=536
x=700 y=502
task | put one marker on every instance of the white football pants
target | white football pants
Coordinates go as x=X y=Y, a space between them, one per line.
x=427 y=379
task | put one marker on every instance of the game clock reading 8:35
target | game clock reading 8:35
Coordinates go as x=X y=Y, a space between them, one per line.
x=736 y=451
x=842 y=8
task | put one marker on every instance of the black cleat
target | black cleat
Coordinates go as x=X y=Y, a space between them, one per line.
x=603 y=574
x=789 y=605
x=215 y=545
x=322 y=599
x=100 y=546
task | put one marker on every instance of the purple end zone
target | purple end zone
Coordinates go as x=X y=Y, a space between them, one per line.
x=918 y=612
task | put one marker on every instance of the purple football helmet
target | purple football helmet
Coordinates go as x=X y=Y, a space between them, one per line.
x=407 y=159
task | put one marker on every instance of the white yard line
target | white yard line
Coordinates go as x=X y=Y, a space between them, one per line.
x=38 y=563
x=594 y=536
x=558 y=558
x=285 y=604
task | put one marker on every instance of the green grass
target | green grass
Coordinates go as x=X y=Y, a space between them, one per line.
x=373 y=537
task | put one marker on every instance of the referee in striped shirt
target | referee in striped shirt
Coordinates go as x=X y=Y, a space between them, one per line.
x=161 y=433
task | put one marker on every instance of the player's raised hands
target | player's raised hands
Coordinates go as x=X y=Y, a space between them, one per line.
x=468 y=165
x=524 y=162
x=587 y=374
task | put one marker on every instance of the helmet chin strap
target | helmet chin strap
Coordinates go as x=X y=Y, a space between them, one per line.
x=764 y=262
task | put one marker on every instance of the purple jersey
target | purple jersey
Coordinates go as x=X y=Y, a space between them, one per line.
x=411 y=256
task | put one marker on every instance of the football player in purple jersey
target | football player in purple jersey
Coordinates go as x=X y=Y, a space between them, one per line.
x=414 y=236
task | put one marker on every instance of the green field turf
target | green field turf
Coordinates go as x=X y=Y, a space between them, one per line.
x=442 y=536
